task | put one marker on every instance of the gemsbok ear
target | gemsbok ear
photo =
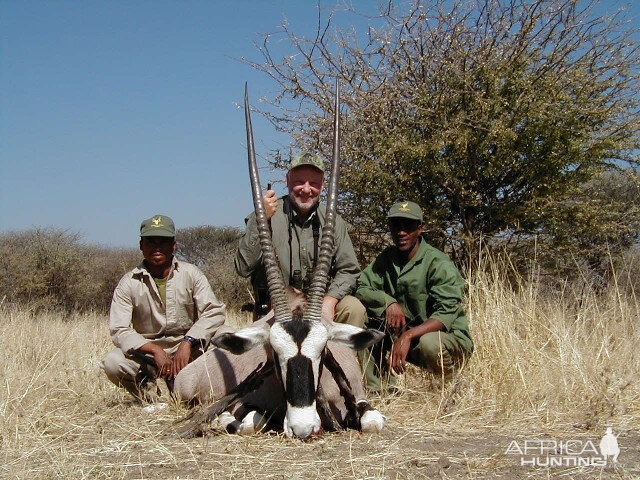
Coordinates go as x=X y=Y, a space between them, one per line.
x=243 y=340
x=354 y=337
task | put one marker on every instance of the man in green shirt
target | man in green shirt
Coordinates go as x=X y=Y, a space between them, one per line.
x=296 y=228
x=414 y=292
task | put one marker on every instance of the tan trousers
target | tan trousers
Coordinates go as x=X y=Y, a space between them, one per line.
x=133 y=374
x=350 y=310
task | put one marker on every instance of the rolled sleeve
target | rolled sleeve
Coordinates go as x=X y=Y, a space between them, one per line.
x=211 y=312
x=121 y=328
x=248 y=255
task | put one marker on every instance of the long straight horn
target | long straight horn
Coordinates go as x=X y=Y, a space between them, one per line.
x=274 y=276
x=320 y=278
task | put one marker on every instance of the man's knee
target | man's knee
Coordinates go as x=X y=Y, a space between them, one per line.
x=431 y=348
x=117 y=367
x=350 y=310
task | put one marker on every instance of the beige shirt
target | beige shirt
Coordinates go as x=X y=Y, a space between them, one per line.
x=139 y=316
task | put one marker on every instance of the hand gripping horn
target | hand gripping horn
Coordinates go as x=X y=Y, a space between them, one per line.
x=274 y=276
x=320 y=277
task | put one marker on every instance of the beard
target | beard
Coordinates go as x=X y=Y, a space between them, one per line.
x=303 y=208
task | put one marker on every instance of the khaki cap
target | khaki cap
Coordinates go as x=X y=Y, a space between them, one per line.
x=405 y=209
x=158 y=226
x=307 y=158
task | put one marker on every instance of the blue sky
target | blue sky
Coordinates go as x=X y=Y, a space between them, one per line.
x=111 y=112
x=114 y=111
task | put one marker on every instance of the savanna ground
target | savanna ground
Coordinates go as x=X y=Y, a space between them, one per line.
x=556 y=363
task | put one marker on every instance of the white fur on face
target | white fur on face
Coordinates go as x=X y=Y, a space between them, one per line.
x=300 y=421
x=283 y=345
x=313 y=346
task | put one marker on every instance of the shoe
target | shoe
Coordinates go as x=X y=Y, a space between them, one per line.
x=148 y=392
x=155 y=407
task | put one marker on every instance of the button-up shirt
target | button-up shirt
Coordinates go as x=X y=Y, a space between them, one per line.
x=299 y=253
x=139 y=316
x=427 y=286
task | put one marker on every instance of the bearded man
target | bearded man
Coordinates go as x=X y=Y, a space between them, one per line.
x=296 y=223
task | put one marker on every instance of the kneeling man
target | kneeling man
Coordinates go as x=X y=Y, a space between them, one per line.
x=414 y=292
x=162 y=312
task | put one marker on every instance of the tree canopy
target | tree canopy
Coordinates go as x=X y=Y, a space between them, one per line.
x=491 y=114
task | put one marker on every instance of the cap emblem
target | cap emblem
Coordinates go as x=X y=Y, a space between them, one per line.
x=157 y=222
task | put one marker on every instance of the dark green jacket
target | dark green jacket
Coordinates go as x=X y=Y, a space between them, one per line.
x=299 y=254
x=428 y=286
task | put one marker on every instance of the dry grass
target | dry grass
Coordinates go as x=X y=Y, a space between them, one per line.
x=557 y=364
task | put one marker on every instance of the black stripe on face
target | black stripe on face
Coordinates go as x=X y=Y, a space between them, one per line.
x=298 y=330
x=301 y=389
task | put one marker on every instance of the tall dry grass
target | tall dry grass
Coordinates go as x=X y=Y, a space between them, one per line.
x=546 y=358
x=552 y=351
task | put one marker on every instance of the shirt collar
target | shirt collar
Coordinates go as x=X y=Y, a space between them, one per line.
x=416 y=258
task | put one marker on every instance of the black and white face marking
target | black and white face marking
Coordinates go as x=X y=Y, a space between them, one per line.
x=299 y=345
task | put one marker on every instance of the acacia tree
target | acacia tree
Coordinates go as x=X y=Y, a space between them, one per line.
x=488 y=113
x=598 y=222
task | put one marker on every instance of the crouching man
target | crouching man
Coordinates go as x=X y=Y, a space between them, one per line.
x=296 y=222
x=162 y=312
x=414 y=292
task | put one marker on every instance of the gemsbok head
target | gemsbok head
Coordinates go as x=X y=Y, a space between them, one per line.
x=297 y=340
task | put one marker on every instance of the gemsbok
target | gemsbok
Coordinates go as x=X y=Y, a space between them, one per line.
x=293 y=368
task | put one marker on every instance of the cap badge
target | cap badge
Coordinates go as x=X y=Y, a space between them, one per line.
x=404 y=207
x=157 y=222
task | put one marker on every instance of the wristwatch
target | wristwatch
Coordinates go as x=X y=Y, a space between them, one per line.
x=192 y=341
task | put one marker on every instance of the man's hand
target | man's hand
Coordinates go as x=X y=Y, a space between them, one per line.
x=180 y=358
x=329 y=307
x=270 y=202
x=395 y=318
x=163 y=361
x=401 y=347
x=399 y=352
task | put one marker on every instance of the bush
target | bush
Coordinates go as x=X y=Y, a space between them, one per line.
x=492 y=115
x=212 y=249
x=49 y=268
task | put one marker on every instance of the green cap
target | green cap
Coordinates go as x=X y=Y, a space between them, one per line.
x=405 y=209
x=307 y=159
x=157 y=226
